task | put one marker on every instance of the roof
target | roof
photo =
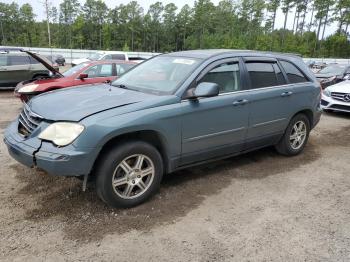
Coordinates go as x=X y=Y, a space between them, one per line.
x=207 y=53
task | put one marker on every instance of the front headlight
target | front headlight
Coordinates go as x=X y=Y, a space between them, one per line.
x=27 y=89
x=62 y=133
x=326 y=92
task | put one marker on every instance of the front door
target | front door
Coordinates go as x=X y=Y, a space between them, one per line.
x=216 y=126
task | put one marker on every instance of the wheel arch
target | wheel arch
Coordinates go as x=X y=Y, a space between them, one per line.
x=308 y=113
x=152 y=137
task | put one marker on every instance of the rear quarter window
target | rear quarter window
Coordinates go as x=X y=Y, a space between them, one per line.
x=293 y=73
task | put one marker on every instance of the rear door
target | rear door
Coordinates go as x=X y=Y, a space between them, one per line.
x=303 y=88
x=270 y=101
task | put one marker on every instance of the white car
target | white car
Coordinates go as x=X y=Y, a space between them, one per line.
x=102 y=55
x=337 y=97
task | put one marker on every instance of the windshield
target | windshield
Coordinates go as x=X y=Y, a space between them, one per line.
x=160 y=75
x=95 y=56
x=333 y=69
x=75 y=69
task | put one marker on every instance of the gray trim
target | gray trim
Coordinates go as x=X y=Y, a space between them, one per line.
x=269 y=122
x=213 y=134
x=252 y=90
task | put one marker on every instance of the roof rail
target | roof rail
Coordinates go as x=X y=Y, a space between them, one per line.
x=10 y=49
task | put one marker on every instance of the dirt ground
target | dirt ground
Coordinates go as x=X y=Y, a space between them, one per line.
x=255 y=207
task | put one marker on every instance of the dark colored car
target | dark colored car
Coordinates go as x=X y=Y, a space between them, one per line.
x=17 y=66
x=168 y=113
x=82 y=74
x=53 y=63
x=332 y=74
x=58 y=59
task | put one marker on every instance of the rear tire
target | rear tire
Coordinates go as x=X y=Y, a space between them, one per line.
x=129 y=174
x=295 y=137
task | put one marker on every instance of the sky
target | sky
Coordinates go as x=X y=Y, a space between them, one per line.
x=38 y=8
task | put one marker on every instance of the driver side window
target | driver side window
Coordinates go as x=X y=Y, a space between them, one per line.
x=104 y=70
x=226 y=75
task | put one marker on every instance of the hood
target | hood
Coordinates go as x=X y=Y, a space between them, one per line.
x=342 y=87
x=323 y=76
x=45 y=62
x=43 y=84
x=74 y=104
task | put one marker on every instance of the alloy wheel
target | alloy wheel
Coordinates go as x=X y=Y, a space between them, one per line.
x=298 y=135
x=133 y=176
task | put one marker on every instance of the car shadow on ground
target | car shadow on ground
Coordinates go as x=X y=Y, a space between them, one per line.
x=86 y=218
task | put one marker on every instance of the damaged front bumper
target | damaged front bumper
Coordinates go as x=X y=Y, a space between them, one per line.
x=32 y=152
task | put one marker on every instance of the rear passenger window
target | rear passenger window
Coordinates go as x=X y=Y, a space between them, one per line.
x=293 y=73
x=118 y=57
x=33 y=61
x=19 y=60
x=226 y=76
x=263 y=74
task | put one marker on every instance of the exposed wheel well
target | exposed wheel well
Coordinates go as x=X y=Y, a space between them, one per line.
x=308 y=114
x=149 y=136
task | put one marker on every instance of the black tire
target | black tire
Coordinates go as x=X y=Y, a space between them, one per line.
x=109 y=163
x=285 y=146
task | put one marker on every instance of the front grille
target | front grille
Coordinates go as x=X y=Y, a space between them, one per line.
x=341 y=96
x=28 y=121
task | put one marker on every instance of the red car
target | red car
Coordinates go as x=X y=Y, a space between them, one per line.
x=82 y=74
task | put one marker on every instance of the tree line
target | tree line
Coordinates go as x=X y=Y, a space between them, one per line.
x=240 y=24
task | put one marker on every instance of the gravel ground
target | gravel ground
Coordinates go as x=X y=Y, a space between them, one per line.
x=255 y=207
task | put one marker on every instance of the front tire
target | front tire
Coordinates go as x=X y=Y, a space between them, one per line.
x=129 y=174
x=295 y=137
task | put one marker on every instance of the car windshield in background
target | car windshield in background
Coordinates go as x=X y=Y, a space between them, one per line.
x=161 y=75
x=75 y=69
x=333 y=69
x=95 y=56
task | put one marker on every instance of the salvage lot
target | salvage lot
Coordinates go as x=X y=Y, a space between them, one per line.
x=259 y=206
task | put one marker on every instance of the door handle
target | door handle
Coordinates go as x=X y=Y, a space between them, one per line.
x=240 y=102
x=286 y=94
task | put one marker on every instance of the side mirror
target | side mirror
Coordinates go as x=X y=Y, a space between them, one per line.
x=206 y=89
x=83 y=76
